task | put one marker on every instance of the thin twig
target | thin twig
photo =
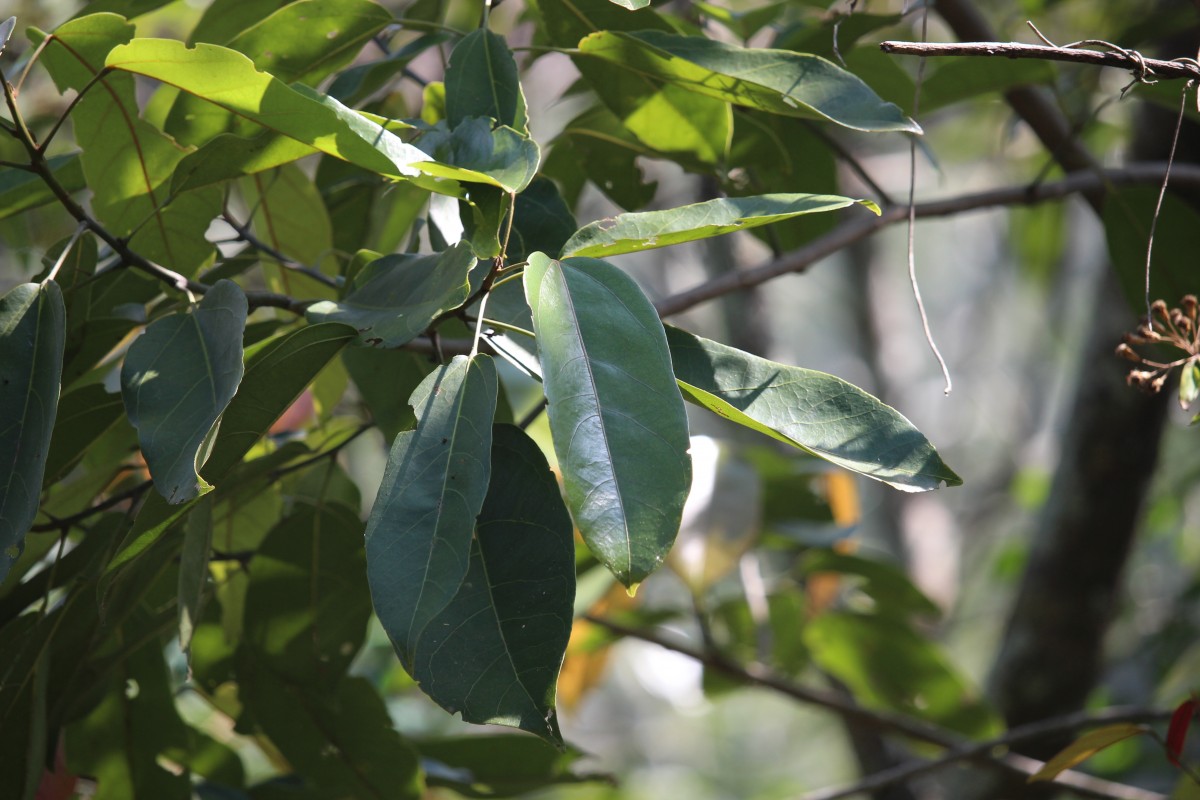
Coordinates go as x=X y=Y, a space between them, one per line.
x=855 y=229
x=878 y=719
x=64 y=523
x=323 y=455
x=246 y=235
x=1120 y=59
x=1162 y=191
x=1018 y=735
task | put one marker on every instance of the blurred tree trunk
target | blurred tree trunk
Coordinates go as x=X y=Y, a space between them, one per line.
x=1052 y=652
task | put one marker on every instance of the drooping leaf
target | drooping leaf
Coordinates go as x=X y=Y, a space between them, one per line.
x=494 y=651
x=1086 y=746
x=779 y=81
x=617 y=418
x=420 y=530
x=307 y=604
x=482 y=81
x=308 y=40
x=819 y=413
x=32 y=335
x=193 y=569
x=177 y=378
x=395 y=298
x=128 y=163
x=629 y=233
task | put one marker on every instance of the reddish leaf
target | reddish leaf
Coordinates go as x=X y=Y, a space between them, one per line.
x=1178 y=729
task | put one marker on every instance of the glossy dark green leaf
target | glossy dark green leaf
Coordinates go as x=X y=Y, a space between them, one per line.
x=629 y=233
x=819 y=413
x=482 y=81
x=21 y=191
x=193 y=568
x=128 y=163
x=341 y=743
x=888 y=665
x=420 y=530
x=779 y=81
x=308 y=40
x=617 y=418
x=32 y=335
x=494 y=651
x=395 y=298
x=177 y=379
x=308 y=604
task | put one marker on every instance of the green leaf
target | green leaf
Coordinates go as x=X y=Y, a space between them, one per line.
x=229 y=80
x=395 y=298
x=32 y=335
x=819 y=413
x=891 y=589
x=542 y=221
x=494 y=651
x=177 y=378
x=308 y=40
x=289 y=216
x=498 y=765
x=1086 y=746
x=779 y=81
x=193 y=569
x=128 y=163
x=421 y=526
x=617 y=418
x=632 y=5
x=308 y=604
x=476 y=153
x=629 y=233
x=1189 y=384
x=84 y=415
x=596 y=146
x=1128 y=214
x=568 y=21
x=384 y=378
x=21 y=191
x=356 y=84
x=225 y=19
x=888 y=665
x=342 y=742
x=482 y=81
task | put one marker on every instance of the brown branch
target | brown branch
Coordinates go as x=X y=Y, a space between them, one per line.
x=1066 y=723
x=891 y=722
x=64 y=523
x=853 y=230
x=1121 y=59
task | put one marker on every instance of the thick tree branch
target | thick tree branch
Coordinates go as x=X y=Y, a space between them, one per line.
x=1088 y=183
x=890 y=722
x=1122 y=59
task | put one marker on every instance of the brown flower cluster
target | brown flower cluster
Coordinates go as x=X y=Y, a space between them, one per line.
x=1173 y=330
